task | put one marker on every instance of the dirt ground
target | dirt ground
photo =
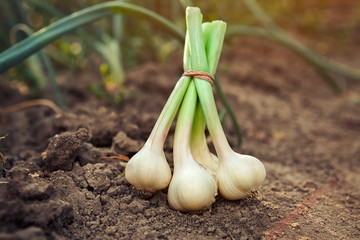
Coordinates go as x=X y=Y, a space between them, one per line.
x=58 y=185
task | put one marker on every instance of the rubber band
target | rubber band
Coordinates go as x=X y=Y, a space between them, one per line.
x=201 y=75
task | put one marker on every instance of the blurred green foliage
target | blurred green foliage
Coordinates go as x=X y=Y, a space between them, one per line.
x=323 y=25
x=331 y=20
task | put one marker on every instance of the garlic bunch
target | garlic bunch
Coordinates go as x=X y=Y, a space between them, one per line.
x=198 y=174
x=193 y=186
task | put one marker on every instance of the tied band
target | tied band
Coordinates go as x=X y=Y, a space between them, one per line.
x=201 y=75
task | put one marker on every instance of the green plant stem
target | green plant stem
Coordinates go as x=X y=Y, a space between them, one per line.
x=118 y=32
x=109 y=48
x=229 y=111
x=184 y=126
x=198 y=139
x=204 y=89
x=222 y=115
x=44 y=36
x=213 y=50
x=167 y=115
x=214 y=33
x=118 y=26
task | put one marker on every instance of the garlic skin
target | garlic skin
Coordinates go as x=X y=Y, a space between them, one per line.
x=238 y=175
x=148 y=170
x=193 y=187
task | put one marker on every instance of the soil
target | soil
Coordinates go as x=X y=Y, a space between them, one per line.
x=60 y=181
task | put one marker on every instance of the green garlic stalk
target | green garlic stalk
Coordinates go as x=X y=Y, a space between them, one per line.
x=193 y=186
x=148 y=170
x=213 y=45
x=198 y=144
x=237 y=175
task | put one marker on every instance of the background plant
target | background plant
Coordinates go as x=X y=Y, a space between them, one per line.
x=329 y=22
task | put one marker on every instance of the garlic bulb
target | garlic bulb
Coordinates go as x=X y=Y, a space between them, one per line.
x=148 y=170
x=238 y=175
x=193 y=186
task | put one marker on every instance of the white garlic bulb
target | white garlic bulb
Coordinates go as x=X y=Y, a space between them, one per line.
x=238 y=175
x=148 y=170
x=193 y=187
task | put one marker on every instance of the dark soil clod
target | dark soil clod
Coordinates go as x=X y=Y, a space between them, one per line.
x=63 y=149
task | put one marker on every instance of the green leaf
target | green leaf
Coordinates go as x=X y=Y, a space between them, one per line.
x=46 y=35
